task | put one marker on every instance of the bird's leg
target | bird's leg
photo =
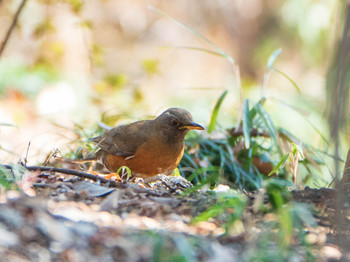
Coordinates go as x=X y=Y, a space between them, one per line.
x=91 y=166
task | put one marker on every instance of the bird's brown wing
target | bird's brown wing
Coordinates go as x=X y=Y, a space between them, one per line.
x=124 y=140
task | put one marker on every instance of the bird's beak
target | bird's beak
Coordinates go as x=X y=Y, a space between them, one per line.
x=192 y=125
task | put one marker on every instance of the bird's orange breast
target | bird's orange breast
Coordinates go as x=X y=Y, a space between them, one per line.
x=150 y=159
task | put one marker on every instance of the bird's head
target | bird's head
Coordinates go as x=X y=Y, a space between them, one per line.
x=177 y=122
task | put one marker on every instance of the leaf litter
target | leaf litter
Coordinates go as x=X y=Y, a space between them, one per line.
x=74 y=219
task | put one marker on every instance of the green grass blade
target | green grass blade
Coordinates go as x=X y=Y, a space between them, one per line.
x=268 y=122
x=253 y=111
x=189 y=160
x=300 y=111
x=304 y=116
x=198 y=49
x=246 y=123
x=273 y=58
x=290 y=79
x=158 y=245
x=280 y=164
x=219 y=50
x=299 y=149
x=215 y=112
x=185 y=248
x=124 y=171
x=318 y=131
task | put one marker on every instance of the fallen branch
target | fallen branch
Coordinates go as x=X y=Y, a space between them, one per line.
x=63 y=171
x=82 y=174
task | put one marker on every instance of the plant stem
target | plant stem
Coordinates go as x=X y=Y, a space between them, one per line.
x=13 y=24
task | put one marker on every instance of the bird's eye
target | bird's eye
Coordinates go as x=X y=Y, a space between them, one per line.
x=174 y=122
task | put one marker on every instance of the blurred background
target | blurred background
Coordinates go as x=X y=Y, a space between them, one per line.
x=72 y=62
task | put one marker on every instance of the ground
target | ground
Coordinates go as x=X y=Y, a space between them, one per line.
x=73 y=219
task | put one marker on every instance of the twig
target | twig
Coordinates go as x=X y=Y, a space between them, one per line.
x=52 y=154
x=26 y=157
x=13 y=24
x=88 y=176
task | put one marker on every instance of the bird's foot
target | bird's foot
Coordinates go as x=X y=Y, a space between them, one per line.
x=111 y=176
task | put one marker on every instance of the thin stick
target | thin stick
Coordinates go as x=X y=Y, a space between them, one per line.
x=26 y=157
x=63 y=171
x=14 y=22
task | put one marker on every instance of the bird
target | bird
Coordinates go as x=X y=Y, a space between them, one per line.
x=147 y=147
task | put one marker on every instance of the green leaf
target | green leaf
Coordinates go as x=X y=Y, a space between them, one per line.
x=246 y=123
x=224 y=201
x=151 y=66
x=290 y=79
x=7 y=179
x=6 y=124
x=273 y=58
x=280 y=164
x=76 y=5
x=117 y=81
x=215 y=112
x=44 y=28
